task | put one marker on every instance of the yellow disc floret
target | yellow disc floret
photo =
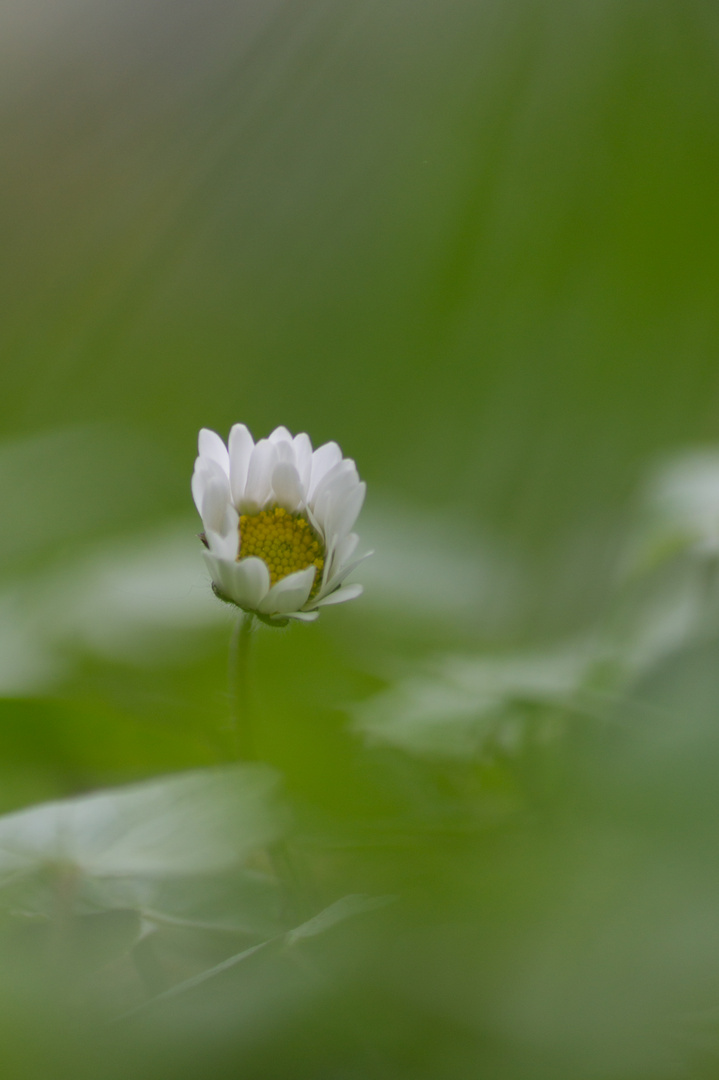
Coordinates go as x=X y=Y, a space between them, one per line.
x=285 y=542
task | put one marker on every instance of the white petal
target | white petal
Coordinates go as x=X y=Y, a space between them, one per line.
x=280 y=434
x=287 y=486
x=345 y=548
x=199 y=478
x=252 y=582
x=333 y=495
x=222 y=572
x=347 y=592
x=303 y=459
x=339 y=553
x=213 y=565
x=334 y=579
x=302 y=616
x=212 y=447
x=229 y=583
x=258 y=489
x=206 y=470
x=330 y=562
x=342 y=512
x=289 y=594
x=323 y=459
x=315 y=524
x=320 y=510
x=245 y=582
x=340 y=478
x=215 y=505
x=285 y=452
x=224 y=546
x=241 y=445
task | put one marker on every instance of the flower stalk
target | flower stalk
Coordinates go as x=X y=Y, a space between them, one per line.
x=243 y=742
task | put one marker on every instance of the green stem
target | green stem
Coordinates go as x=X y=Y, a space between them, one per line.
x=241 y=717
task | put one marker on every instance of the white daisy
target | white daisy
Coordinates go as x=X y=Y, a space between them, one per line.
x=277 y=518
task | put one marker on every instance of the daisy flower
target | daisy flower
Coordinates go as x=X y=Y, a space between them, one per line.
x=278 y=520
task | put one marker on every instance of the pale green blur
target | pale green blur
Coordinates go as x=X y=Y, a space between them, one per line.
x=475 y=243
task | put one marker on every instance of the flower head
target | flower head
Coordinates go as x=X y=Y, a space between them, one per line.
x=277 y=518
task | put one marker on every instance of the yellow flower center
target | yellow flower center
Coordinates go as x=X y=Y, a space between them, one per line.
x=285 y=543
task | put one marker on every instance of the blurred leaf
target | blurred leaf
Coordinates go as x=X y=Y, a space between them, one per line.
x=334 y=914
x=244 y=901
x=345 y=908
x=198 y=822
x=464 y=707
x=682 y=498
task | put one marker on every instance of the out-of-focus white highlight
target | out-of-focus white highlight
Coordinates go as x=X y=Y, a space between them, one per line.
x=198 y=822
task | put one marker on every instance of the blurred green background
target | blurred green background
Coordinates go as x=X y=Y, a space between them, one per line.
x=475 y=243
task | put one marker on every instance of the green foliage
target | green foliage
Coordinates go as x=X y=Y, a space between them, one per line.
x=476 y=244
